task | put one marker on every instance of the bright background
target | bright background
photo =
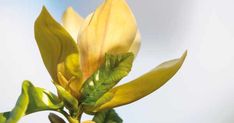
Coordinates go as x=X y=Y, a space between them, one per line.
x=201 y=92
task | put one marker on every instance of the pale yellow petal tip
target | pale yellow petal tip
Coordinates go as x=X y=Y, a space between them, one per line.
x=69 y=9
x=135 y=47
x=186 y=51
x=72 y=21
x=184 y=54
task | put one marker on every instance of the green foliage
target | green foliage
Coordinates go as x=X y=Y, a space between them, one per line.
x=144 y=85
x=21 y=106
x=107 y=116
x=4 y=116
x=114 y=68
x=31 y=99
x=40 y=99
x=54 y=42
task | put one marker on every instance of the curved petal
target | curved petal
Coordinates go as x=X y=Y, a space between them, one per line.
x=144 y=85
x=136 y=44
x=111 y=28
x=54 y=42
x=72 y=22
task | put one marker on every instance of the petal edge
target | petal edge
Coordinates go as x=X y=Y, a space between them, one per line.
x=133 y=90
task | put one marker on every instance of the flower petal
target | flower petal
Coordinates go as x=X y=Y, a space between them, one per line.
x=144 y=85
x=72 y=22
x=136 y=44
x=111 y=28
x=54 y=42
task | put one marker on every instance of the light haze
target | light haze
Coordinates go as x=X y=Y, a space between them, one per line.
x=201 y=92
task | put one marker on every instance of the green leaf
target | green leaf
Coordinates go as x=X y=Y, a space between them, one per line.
x=21 y=106
x=144 y=85
x=55 y=118
x=31 y=99
x=107 y=116
x=40 y=99
x=4 y=116
x=114 y=68
x=71 y=103
x=54 y=42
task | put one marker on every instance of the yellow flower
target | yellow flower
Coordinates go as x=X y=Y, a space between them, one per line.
x=110 y=28
x=74 y=51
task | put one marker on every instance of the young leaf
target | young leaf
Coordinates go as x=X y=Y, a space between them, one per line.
x=4 y=116
x=54 y=42
x=21 y=106
x=31 y=99
x=55 y=118
x=70 y=102
x=144 y=85
x=114 y=68
x=40 y=99
x=107 y=116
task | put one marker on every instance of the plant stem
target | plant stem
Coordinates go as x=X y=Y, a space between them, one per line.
x=80 y=112
x=69 y=118
x=72 y=120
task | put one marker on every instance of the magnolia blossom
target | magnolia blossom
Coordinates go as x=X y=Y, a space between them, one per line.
x=111 y=28
x=86 y=58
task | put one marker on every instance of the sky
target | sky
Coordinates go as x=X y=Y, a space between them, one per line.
x=201 y=92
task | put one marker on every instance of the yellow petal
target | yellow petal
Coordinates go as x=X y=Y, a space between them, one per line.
x=72 y=22
x=111 y=28
x=54 y=42
x=72 y=85
x=88 y=121
x=70 y=75
x=144 y=85
x=136 y=44
x=72 y=65
x=61 y=79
